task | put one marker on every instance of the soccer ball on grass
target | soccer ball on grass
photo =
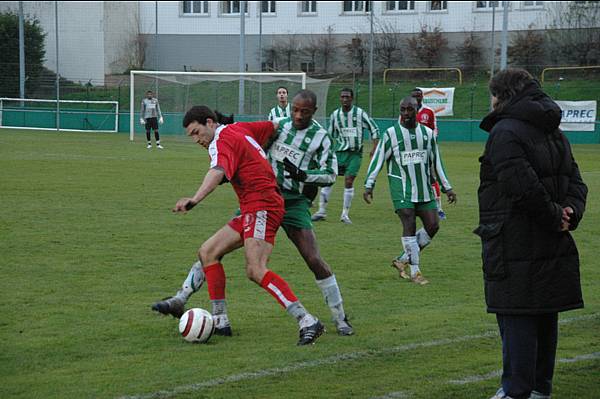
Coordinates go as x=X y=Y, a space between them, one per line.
x=196 y=325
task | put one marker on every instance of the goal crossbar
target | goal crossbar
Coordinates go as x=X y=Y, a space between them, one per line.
x=231 y=76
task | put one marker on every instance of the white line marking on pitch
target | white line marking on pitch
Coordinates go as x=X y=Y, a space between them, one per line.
x=498 y=373
x=393 y=395
x=252 y=375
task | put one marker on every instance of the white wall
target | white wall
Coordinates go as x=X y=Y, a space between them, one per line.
x=459 y=17
x=80 y=35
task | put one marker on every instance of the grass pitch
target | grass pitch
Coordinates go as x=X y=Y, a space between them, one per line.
x=88 y=243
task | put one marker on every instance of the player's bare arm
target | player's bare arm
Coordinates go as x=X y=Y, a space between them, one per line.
x=368 y=195
x=451 y=197
x=212 y=179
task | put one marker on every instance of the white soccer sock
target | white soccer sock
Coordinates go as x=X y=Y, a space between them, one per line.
x=324 y=199
x=192 y=282
x=411 y=247
x=423 y=238
x=297 y=311
x=348 y=195
x=333 y=297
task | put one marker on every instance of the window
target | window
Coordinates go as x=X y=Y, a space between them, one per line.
x=232 y=7
x=308 y=67
x=308 y=7
x=357 y=6
x=533 y=4
x=399 y=5
x=438 y=5
x=195 y=7
x=267 y=7
x=488 y=5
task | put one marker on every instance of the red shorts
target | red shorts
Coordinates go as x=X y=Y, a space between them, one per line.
x=261 y=225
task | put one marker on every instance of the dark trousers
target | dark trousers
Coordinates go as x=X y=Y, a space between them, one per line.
x=152 y=123
x=528 y=353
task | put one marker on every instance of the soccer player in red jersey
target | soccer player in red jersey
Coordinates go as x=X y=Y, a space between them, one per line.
x=236 y=155
x=426 y=116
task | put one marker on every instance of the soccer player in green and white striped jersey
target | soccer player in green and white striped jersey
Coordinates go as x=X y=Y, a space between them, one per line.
x=412 y=153
x=302 y=158
x=282 y=109
x=347 y=125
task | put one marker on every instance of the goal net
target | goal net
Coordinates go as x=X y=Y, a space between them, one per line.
x=69 y=115
x=249 y=96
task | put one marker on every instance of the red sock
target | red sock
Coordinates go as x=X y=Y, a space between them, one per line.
x=277 y=287
x=436 y=188
x=215 y=280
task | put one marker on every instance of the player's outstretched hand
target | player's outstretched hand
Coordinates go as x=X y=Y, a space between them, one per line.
x=293 y=171
x=451 y=197
x=142 y=121
x=184 y=205
x=161 y=120
x=368 y=195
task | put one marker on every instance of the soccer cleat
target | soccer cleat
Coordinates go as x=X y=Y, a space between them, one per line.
x=222 y=325
x=500 y=395
x=441 y=214
x=345 y=219
x=419 y=279
x=343 y=327
x=149 y=146
x=402 y=265
x=319 y=216
x=170 y=305
x=160 y=147
x=309 y=335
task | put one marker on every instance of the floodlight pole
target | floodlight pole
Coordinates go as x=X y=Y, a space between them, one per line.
x=57 y=70
x=503 y=50
x=260 y=57
x=371 y=64
x=21 y=53
x=493 y=52
x=242 y=55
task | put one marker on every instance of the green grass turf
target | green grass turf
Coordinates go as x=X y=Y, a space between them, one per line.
x=88 y=243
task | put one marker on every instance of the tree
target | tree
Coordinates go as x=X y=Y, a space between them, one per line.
x=469 y=53
x=288 y=47
x=357 y=51
x=428 y=45
x=526 y=50
x=134 y=48
x=270 y=56
x=9 y=48
x=326 y=47
x=574 y=32
x=387 y=48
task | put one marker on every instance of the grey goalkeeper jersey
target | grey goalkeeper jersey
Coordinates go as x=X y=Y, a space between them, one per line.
x=150 y=108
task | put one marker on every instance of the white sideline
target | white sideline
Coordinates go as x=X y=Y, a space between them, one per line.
x=498 y=373
x=167 y=393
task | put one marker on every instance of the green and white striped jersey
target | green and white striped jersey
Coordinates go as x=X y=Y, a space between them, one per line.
x=347 y=128
x=309 y=149
x=410 y=154
x=279 y=112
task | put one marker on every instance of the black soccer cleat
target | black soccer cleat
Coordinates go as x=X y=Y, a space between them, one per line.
x=222 y=325
x=308 y=335
x=170 y=306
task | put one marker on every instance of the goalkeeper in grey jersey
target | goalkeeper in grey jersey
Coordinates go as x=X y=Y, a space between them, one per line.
x=150 y=117
x=411 y=152
x=303 y=159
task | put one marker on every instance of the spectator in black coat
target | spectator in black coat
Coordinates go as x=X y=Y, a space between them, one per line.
x=530 y=196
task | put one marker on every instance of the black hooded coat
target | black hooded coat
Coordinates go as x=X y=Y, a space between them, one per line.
x=527 y=176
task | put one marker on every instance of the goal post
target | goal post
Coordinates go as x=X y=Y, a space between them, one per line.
x=74 y=115
x=178 y=91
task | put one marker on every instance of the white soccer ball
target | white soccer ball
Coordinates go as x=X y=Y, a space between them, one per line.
x=196 y=325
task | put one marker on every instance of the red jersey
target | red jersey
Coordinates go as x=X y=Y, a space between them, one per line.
x=237 y=150
x=426 y=117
